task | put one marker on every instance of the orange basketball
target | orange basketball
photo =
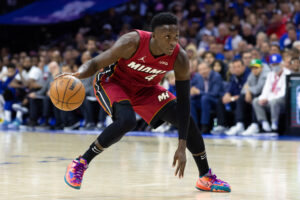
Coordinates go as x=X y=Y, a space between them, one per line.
x=67 y=93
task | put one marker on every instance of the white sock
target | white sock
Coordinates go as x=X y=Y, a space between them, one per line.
x=266 y=126
x=274 y=125
x=19 y=115
x=7 y=115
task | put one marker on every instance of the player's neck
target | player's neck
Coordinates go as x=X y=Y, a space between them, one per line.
x=154 y=49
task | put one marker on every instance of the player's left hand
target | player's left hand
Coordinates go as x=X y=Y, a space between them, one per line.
x=180 y=158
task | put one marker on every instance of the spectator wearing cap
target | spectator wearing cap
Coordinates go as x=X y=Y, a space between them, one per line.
x=227 y=103
x=107 y=33
x=273 y=95
x=252 y=88
x=203 y=45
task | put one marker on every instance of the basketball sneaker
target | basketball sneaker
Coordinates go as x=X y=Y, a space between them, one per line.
x=209 y=182
x=75 y=171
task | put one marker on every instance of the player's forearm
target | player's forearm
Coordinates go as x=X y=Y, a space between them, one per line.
x=88 y=69
x=183 y=108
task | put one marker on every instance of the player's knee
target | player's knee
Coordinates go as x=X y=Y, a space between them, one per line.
x=125 y=116
x=129 y=122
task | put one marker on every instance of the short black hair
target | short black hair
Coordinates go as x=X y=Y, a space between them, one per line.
x=163 y=18
x=11 y=65
x=238 y=60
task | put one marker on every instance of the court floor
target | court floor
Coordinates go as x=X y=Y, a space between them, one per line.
x=32 y=166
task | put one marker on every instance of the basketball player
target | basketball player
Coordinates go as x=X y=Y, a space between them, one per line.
x=130 y=85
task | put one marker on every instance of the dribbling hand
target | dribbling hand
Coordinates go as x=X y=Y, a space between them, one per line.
x=180 y=158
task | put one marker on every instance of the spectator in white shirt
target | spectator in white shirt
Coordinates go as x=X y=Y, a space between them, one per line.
x=273 y=95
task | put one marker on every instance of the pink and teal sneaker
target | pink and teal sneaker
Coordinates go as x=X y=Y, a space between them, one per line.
x=209 y=182
x=75 y=171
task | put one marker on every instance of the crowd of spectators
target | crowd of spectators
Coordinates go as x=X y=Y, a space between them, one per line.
x=240 y=53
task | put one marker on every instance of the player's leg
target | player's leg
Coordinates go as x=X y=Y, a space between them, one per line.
x=207 y=180
x=159 y=106
x=113 y=99
x=195 y=143
x=123 y=121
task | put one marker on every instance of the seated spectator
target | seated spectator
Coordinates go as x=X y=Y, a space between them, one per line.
x=91 y=47
x=220 y=67
x=227 y=103
x=272 y=96
x=296 y=45
x=247 y=57
x=208 y=57
x=94 y=114
x=235 y=38
x=206 y=88
x=191 y=51
x=295 y=62
x=251 y=89
x=30 y=78
x=223 y=34
x=70 y=119
x=7 y=93
x=108 y=33
x=41 y=105
x=287 y=40
x=261 y=38
x=170 y=76
x=204 y=43
x=247 y=34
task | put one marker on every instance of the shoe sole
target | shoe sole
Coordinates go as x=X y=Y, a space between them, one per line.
x=214 y=190
x=75 y=187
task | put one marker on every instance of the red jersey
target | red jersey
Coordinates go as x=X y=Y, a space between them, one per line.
x=143 y=69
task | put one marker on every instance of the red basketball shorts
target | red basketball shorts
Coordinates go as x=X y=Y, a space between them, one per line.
x=148 y=102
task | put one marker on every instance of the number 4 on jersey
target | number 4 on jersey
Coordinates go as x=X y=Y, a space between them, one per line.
x=149 y=78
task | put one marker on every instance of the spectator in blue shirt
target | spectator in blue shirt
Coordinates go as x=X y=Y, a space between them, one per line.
x=206 y=88
x=287 y=40
x=227 y=103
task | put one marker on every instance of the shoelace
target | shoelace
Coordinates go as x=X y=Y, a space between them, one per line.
x=79 y=170
x=214 y=179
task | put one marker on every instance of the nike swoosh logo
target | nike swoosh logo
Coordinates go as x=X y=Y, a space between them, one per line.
x=206 y=184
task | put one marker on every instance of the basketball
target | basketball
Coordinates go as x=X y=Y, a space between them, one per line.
x=67 y=93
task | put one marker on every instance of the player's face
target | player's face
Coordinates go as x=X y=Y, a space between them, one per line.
x=167 y=37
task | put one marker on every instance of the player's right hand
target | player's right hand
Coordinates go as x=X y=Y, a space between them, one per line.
x=180 y=158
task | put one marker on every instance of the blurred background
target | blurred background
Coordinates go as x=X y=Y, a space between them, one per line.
x=244 y=58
